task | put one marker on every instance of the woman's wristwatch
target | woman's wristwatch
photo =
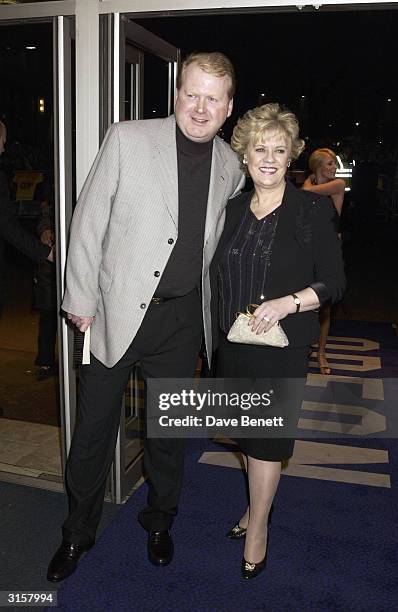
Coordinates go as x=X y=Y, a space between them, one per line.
x=297 y=301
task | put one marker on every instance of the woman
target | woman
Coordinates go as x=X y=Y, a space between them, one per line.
x=323 y=166
x=279 y=249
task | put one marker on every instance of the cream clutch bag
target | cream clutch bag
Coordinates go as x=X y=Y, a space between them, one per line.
x=241 y=333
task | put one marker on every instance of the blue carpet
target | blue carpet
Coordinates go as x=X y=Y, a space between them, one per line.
x=345 y=354
x=383 y=333
x=332 y=546
x=29 y=534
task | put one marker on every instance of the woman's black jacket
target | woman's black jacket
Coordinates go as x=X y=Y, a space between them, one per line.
x=306 y=252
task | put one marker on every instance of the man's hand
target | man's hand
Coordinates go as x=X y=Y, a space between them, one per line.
x=50 y=256
x=82 y=323
x=47 y=237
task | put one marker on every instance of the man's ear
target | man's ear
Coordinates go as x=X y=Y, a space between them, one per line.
x=230 y=107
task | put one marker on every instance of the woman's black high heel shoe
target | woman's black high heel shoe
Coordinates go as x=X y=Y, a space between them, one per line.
x=251 y=570
x=236 y=533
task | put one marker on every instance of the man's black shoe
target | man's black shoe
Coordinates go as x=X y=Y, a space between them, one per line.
x=64 y=562
x=160 y=547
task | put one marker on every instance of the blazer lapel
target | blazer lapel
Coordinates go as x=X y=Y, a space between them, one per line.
x=165 y=160
x=235 y=210
x=292 y=218
x=218 y=181
x=286 y=229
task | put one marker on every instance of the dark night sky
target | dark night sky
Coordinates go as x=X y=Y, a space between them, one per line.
x=343 y=62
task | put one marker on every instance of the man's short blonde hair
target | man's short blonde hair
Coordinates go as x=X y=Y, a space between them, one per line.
x=215 y=63
x=318 y=156
x=262 y=121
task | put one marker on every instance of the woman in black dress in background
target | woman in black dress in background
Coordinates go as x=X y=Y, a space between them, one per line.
x=279 y=249
x=322 y=180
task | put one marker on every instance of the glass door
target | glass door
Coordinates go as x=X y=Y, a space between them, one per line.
x=37 y=395
x=145 y=74
x=131 y=89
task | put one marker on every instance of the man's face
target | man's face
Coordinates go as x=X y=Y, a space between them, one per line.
x=202 y=104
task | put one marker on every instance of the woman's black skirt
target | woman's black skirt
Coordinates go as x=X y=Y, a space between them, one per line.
x=286 y=368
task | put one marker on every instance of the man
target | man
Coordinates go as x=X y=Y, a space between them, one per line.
x=12 y=231
x=143 y=235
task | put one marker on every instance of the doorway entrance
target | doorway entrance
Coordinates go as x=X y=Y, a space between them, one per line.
x=132 y=76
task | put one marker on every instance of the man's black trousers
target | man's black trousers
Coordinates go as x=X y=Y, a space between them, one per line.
x=167 y=346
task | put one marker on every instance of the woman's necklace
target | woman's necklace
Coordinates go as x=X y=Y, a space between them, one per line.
x=264 y=210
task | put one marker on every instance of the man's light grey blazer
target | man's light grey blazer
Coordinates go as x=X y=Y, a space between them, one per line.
x=125 y=227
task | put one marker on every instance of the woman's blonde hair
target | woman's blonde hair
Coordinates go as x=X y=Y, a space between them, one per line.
x=316 y=158
x=259 y=122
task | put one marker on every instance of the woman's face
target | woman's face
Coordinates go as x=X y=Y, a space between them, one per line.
x=327 y=169
x=267 y=160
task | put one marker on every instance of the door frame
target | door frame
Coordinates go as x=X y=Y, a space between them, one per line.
x=60 y=16
x=125 y=33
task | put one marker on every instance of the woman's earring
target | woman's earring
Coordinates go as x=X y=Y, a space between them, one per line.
x=288 y=164
x=244 y=161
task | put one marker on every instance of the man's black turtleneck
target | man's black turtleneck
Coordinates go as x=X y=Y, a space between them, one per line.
x=183 y=269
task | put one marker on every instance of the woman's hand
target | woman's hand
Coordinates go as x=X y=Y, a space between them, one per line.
x=268 y=313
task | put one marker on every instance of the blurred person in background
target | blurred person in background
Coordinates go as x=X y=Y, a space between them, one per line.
x=11 y=230
x=322 y=180
x=45 y=298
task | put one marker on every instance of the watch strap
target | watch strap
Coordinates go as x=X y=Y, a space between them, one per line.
x=297 y=301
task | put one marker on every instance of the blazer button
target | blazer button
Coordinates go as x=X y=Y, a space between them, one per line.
x=143 y=306
x=157 y=273
x=170 y=240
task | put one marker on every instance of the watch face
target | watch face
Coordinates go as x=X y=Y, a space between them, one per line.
x=296 y=301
